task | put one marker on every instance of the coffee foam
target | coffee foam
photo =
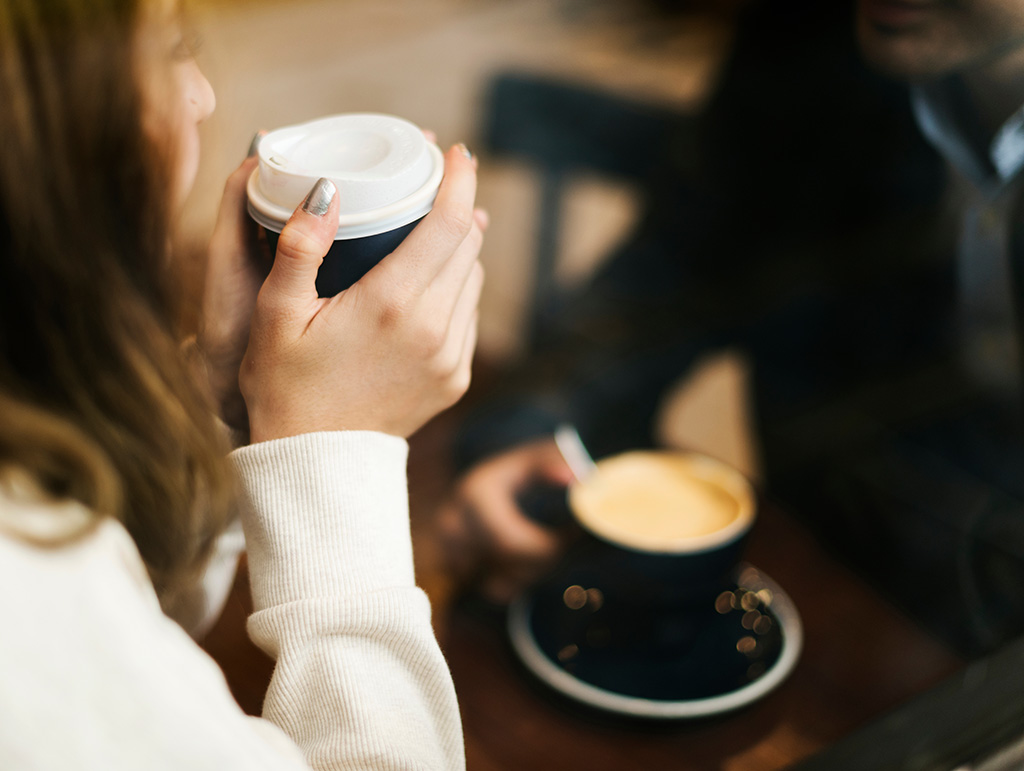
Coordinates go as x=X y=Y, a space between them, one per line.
x=663 y=502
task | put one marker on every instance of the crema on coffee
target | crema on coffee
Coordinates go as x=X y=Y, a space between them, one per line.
x=663 y=501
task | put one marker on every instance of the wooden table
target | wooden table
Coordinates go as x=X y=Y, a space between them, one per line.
x=861 y=657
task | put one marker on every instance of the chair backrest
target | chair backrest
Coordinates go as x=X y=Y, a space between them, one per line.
x=565 y=128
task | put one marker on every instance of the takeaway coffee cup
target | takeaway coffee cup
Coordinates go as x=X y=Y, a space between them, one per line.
x=386 y=172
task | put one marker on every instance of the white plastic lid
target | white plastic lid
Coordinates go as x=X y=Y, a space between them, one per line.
x=385 y=170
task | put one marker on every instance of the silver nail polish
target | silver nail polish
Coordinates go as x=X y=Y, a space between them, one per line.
x=465 y=151
x=319 y=199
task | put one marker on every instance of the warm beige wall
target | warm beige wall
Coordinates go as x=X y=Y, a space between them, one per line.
x=275 y=62
x=279 y=62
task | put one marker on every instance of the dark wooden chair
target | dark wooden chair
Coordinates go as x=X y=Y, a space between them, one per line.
x=564 y=129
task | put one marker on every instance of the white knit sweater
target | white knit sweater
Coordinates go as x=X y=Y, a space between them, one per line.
x=94 y=676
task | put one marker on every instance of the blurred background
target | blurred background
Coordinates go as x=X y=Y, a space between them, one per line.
x=434 y=62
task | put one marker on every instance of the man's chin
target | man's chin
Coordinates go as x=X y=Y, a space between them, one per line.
x=901 y=55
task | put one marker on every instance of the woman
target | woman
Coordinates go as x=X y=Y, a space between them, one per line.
x=113 y=482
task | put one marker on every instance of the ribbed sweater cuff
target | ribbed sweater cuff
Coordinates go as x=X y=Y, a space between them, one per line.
x=329 y=516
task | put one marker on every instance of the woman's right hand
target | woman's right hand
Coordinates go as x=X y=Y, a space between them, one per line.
x=388 y=353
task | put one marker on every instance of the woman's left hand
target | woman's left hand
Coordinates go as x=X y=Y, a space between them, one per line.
x=236 y=266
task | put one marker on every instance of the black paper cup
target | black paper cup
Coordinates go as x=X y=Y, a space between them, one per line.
x=386 y=174
x=351 y=259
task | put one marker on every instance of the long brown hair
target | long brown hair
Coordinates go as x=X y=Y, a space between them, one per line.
x=96 y=404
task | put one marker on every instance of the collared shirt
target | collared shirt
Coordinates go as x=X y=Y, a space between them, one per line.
x=986 y=313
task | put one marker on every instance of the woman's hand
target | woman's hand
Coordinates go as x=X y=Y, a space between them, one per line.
x=235 y=268
x=388 y=353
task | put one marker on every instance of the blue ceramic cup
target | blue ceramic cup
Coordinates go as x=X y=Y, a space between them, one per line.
x=648 y=613
x=386 y=172
x=666 y=530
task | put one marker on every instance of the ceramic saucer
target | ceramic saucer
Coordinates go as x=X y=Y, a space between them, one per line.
x=705 y=662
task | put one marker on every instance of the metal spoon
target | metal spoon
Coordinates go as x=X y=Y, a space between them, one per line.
x=567 y=438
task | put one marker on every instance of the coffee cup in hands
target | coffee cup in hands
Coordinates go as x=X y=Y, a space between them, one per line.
x=387 y=354
x=386 y=173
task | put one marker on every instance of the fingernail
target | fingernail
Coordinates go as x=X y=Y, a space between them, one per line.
x=465 y=150
x=254 y=145
x=319 y=199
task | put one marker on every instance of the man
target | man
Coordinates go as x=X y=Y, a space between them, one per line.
x=816 y=238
